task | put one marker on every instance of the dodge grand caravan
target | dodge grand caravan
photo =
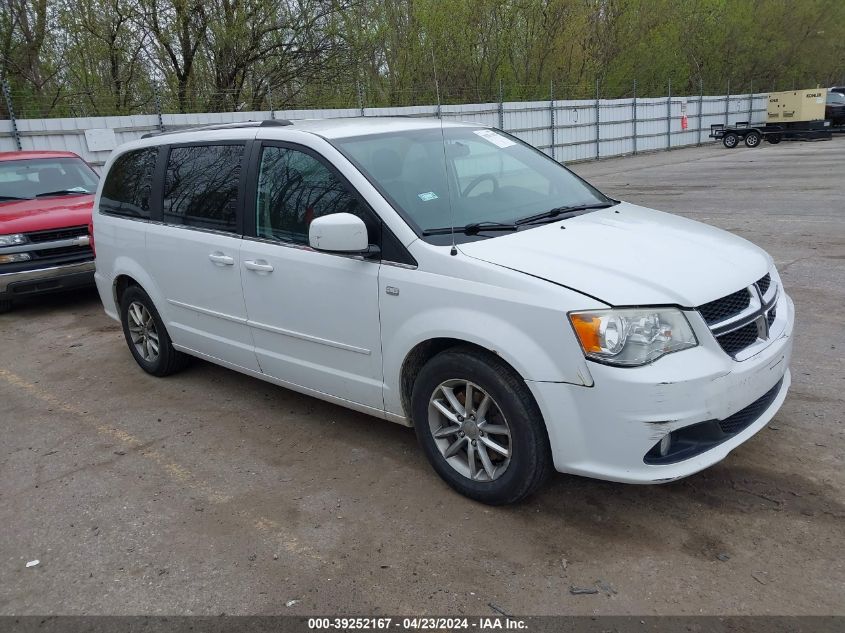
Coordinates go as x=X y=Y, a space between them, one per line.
x=450 y=278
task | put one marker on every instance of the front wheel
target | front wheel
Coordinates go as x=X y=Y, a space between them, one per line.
x=146 y=335
x=5 y=305
x=479 y=426
x=730 y=140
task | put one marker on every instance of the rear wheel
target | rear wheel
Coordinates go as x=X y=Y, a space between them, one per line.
x=753 y=138
x=730 y=140
x=146 y=335
x=480 y=427
x=774 y=139
x=5 y=306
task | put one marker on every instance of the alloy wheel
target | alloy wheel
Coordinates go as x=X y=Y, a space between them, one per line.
x=470 y=430
x=142 y=329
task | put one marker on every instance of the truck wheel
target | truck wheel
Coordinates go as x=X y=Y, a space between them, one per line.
x=753 y=138
x=5 y=306
x=774 y=139
x=730 y=140
x=146 y=336
x=479 y=426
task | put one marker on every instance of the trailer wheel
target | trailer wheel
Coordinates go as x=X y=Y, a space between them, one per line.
x=753 y=138
x=774 y=139
x=730 y=140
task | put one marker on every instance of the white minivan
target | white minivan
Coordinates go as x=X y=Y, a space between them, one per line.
x=452 y=278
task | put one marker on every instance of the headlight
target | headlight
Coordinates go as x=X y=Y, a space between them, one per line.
x=14 y=257
x=13 y=240
x=634 y=336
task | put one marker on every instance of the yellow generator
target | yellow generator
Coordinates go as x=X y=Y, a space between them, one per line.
x=792 y=115
x=793 y=106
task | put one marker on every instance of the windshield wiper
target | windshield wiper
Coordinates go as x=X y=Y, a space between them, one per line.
x=14 y=198
x=62 y=192
x=474 y=228
x=566 y=211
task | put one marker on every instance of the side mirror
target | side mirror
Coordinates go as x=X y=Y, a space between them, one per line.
x=338 y=233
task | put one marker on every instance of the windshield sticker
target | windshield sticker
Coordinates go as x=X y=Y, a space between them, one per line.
x=497 y=139
x=428 y=195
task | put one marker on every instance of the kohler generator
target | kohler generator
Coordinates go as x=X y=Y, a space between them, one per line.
x=790 y=115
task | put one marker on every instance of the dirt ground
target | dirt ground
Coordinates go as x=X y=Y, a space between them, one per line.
x=209 y=492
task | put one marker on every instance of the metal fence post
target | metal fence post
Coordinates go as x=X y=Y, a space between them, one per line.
x=157 y=100
x=728 y=102
x=552 y=116
x=360 y=94
x=751 y=102
x=501 y=107
x=700 y=108
x=634 y=116
x=598 y=123
x=669 y=117
x=7 y=93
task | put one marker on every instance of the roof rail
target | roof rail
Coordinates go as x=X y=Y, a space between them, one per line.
x=224 y=126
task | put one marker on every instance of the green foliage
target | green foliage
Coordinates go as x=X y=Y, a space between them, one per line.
x=96 y=57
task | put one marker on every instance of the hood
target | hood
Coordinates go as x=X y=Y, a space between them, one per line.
x=41 y=214
x=629 y=255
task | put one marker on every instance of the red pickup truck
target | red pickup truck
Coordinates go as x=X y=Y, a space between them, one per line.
x=46 y=200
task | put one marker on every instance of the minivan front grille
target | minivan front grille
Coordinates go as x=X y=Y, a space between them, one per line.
x=736 y=322
x=726 y=307
x=736 y=341
x=764 y=283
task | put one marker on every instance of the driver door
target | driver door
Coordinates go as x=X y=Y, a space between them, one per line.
x=314 y=316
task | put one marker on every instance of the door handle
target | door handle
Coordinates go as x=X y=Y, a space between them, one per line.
x=220 y=259
x=258 y=265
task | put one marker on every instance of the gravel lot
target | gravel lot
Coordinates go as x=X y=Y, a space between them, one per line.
x=211 y=492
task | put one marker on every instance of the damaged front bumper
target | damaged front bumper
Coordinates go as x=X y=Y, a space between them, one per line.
x=704 y=400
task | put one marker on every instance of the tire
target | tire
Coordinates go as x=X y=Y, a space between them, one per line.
x=5 y=306
x=774 y=139
x=730 y=140
x=140 y=338
x=753 y=139
x=511 y=406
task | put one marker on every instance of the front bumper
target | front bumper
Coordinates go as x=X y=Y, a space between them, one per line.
x=43 y=280
x=605 y=431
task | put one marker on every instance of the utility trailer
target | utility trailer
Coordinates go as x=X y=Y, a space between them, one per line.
x=774 y=133
x=790 y=115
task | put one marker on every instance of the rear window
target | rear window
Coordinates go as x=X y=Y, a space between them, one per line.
x=128 y=185
x=201 y=186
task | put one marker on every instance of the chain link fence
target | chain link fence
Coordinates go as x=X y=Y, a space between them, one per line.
x=570 y=122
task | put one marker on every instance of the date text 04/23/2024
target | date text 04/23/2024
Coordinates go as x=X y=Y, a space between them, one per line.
x=418 y=624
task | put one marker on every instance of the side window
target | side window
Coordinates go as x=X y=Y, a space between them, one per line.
x=293 y=189
x=201 y=186
x=128 y=185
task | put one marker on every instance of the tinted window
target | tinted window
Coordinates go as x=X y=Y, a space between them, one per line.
x=293 y=189
x=201 y=186
x=128 y=184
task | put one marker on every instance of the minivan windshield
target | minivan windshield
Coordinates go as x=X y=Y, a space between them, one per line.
x=480 y=181
x=45 y=177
